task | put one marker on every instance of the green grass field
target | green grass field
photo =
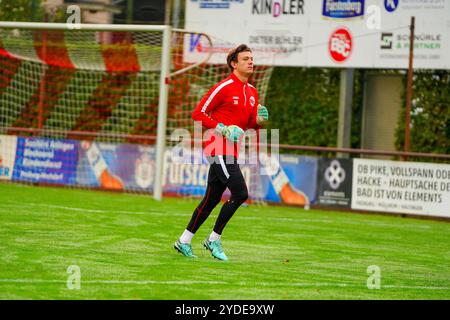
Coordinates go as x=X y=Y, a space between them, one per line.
x=123 y=245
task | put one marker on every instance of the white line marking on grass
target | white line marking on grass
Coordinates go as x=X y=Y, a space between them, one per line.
x=414 y=287
x=187 y=214
x=246 y=284
x=90 y=210
x=150 y=212
x=138 y=282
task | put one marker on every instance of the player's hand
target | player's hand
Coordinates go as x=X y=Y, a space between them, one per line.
x=232 y=133
x=263 y=115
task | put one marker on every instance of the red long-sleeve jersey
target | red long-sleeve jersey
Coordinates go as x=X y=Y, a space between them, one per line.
x=230 y=102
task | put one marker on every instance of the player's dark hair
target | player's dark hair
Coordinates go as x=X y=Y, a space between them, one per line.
x=233 y=54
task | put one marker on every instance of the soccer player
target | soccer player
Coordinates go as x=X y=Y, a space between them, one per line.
x=229 y=108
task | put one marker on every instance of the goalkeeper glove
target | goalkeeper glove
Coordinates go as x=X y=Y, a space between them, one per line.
x=263 y=115
x=232 y=133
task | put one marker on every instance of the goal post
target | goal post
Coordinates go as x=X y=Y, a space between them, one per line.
x=106 y=87
x=164 y=75
x=162 y=113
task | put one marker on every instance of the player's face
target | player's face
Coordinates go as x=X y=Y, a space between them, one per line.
x=244 y=64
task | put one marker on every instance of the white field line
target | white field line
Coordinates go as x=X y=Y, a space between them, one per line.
x=150 y=212
x=188 y=214
x=138 y=282
x=245 y=284
x=30 y=205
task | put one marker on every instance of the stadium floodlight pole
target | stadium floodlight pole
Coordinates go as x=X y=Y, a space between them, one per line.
x=406 y=146
x=130 y=11
x=345 y=110
x=34 y=8
x=176 y=14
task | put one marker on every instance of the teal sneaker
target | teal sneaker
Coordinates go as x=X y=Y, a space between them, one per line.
x=216 y=249
x=184 y=248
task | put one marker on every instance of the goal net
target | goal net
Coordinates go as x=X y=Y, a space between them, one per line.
x=86 y=107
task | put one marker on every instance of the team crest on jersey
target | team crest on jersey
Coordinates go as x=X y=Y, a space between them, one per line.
x=252 y=100
x=235 y=99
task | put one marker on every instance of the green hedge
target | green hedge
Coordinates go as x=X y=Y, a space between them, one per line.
x=21 y=10
x=30 y=11
x=430 y=113
x=304 y=105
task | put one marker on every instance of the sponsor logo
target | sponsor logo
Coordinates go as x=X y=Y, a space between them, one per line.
x=279 y=43
x=334 y=174
x=252 y=101
x=277 y=8
x=7 y=156
x=4 y=171
x=194 y=43
x=144 y=171
x=340 y=45
x=216 y=4
x=343 y=9
x=423 y=41
x=391 y=5
x=235 y=100
x=386 y=40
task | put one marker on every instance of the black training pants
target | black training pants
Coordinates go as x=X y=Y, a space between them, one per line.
x=224 y=172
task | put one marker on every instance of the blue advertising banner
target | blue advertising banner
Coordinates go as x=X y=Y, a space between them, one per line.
x=293 y=181
x=185 y=176
x=131 y=167
x=116 y=166
x=290 y=180
x=46 y=160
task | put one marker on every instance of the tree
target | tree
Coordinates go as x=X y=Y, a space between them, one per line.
x=21 y=10
x=430 y=113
